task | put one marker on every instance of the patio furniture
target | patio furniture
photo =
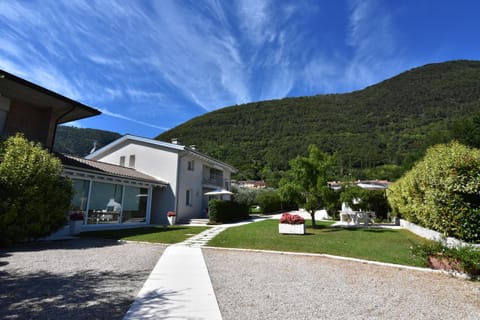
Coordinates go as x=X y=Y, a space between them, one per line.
x=367 y=217
x=357 y=217
x=349 y=217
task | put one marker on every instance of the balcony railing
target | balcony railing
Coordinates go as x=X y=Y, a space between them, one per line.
x=212 y=176
x=216 y=181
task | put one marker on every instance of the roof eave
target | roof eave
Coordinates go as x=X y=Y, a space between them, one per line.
x=78 y=110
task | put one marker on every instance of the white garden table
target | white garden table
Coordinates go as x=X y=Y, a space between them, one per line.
x=356 y=217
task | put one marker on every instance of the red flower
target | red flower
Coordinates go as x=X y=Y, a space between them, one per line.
x=171 y=214
x=291 y=219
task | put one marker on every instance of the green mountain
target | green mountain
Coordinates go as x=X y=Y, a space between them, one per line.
x=377 y=132
x=80 y=141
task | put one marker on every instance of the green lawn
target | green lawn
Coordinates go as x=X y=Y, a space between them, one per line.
x=173 y=234
x=385 y=245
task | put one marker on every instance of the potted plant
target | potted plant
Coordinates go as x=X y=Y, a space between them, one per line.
x=291 y=224
x=171 y=215
x=76 y=221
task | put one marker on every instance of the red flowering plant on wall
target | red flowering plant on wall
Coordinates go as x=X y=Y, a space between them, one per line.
x=171 y=214
x=291 y=219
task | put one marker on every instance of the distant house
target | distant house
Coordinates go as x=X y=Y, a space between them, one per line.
x=251 y=184
x=365 y=184
x=35 y=111
x=189 y=174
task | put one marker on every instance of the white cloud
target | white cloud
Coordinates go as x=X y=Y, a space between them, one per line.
x=198 y=54
x=120 y=116
x=145 y=95
x=256 y=20
x=372 y=38
x=322 y=74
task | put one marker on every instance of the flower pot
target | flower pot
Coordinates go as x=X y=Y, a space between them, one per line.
x=75 y=227
x=171 y=220
x=286 y=228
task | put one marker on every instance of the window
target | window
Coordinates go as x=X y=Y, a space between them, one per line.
x=122 y=161
x=188 y=196
x=110 y=203
x=135 y=204
x=191 y=165
x=105 y=203
x=80 y=194
x=131 y=162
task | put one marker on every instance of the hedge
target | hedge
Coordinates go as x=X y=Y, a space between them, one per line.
x=441 y=192
x=269 y=201
x=221 y=211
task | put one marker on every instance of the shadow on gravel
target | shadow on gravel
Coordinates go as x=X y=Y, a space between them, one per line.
x=81 y=295
x=80 y=243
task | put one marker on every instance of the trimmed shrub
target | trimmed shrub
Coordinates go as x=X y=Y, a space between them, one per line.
x=34 y=198
x=246 y=196
x=269 y=201
x=441 y=192
x=222 y=211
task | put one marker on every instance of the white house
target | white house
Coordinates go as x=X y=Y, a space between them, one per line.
x=109 y=195
x=188 y=174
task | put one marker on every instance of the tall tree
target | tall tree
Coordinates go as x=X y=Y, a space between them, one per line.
x=306 y=182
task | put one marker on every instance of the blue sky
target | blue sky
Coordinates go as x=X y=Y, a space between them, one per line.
x=154 y=64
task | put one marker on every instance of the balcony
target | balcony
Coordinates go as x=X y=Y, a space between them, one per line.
x=212 y=176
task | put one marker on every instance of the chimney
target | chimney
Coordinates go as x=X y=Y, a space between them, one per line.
x=175 y=141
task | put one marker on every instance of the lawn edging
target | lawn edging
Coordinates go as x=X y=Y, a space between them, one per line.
x=434 y=235
x=378 y=263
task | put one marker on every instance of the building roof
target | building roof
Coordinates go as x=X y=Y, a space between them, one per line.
x=82 y=164
x=365 y=184
x=16 y=88
x=165 y=145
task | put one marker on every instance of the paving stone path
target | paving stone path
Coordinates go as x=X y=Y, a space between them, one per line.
x=202 y=238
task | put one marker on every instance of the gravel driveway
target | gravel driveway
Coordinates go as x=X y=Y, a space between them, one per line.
x=98 y=279
x=73 y=279
x=254 y=285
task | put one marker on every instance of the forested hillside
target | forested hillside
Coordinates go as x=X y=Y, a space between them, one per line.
x=80 y=141
x=377 y=132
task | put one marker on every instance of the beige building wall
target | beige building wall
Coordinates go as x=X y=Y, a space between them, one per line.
x=38 y=124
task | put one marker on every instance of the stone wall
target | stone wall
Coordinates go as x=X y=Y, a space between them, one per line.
x=433 y=235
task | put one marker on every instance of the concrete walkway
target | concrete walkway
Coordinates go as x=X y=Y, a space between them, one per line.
x=179 y=286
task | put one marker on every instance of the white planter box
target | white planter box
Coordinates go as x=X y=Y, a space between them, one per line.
x=171 y=220
x=286 y=228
